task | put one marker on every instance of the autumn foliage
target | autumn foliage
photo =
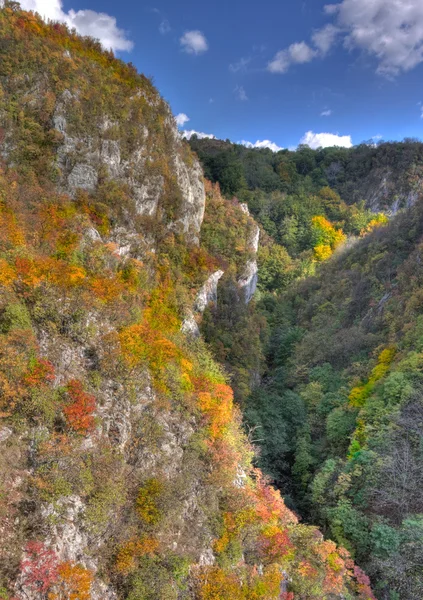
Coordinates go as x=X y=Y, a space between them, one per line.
x=63 y=290
x=80 y=408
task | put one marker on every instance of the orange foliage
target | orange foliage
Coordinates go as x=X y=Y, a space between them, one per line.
x=128 y=553
x=7 y=273
x=41 y=372
x=107 y=289
x=74 y=583
x=16 y=350
x=217 y=406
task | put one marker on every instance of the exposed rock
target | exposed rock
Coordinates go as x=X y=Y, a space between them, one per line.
x=147 y=196
x=248 y=281
x=83 y=176
x=5 y=434
x=92 y=235
x=191 y=183
x=190 y=327
x=208 y=293
x=81 y=158
x=207 y=558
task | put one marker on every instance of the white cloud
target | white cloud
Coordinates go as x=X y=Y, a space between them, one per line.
x=296 y=54
x=325 y=38
x=391 y=31
x=261 y=144
x=188 y=135
x=331 y=9
x=326 y=113
x=325 y=140
x=240 y=65
x=194 y=42
x=164 y=27
x=181 y=119
x=86 y=22
x=241 y=94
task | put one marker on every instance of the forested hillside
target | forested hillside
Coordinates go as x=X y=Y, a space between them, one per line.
x=125 y=472
x=326 y=363
x=386 y=175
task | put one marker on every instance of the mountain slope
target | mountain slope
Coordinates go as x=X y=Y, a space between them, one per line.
x=386 y=177
x=124 y=471
x=340 y=408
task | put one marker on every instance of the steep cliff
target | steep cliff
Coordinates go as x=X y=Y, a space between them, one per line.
x=124 y=471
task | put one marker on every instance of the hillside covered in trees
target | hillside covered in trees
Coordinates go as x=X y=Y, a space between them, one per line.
x=326 y=362
x=125 y=471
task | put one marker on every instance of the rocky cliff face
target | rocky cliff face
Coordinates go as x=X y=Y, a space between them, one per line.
x=249 y=279
x=98 y=149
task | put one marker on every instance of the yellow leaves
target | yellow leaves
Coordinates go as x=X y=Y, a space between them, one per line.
x=142 y=343
x=74 y=583
x=326 y=238
x=359 y=395
x=128 y=554
x=322 y=252
x=216 y=584
x=10 y=232
x=217 y=405
x=106 y=289
x=7 y=273
x=147 y=501
x=378 y=221
x=75 y=275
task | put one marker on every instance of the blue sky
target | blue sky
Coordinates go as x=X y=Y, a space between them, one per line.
x=280 y=70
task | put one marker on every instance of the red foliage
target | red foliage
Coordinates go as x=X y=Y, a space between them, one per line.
x=363 y=584
x=79 y=412
x=40 y=568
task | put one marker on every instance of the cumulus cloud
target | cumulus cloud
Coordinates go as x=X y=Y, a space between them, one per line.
x=181 y=119
x=326 y=113
x=296 y=54
x=325 y=140
x=188 y=135
x=262 y=144
x=391 y=31
x=86 y=22
x=194 y=42
x=240 y=93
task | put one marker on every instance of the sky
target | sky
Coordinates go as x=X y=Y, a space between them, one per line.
x=274 y=73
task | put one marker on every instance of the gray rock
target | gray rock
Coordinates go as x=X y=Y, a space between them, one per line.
x=208 y=292
x=83 y=176
x=5 y=434
x=248 y=282
x=190 y=327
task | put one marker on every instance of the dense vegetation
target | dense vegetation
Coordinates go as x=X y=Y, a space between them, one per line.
x=124 y=470
x=379 y=173
x=332 y=349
